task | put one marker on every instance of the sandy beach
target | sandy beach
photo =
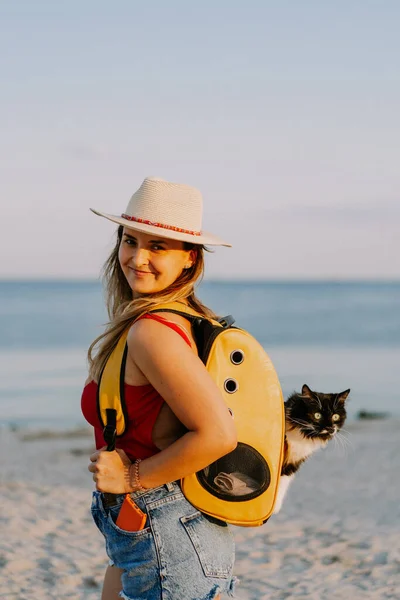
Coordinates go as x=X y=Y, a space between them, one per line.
x=337 y=536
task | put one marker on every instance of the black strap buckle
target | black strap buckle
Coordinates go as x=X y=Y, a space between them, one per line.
x=110 y=430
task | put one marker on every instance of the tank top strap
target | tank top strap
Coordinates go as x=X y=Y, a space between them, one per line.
x=175 y=326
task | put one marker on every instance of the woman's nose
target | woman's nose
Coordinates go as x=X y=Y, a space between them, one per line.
x=140 y=257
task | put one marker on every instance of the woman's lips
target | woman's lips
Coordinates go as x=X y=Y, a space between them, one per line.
x=141 y=273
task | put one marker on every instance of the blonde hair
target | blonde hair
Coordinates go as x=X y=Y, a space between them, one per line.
x=123 y=309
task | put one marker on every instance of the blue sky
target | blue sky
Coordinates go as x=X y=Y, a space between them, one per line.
x=284 y=114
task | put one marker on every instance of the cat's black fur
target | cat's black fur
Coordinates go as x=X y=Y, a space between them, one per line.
x=311 y=420
x=300 y=414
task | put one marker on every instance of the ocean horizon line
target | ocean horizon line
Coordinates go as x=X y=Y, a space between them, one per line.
x=219 y=280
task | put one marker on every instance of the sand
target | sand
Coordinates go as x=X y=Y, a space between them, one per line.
x=337 y=536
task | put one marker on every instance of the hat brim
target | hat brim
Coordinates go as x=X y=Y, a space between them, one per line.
x=205 y=239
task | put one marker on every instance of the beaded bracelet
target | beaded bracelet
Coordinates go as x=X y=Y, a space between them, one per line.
x=134 y=478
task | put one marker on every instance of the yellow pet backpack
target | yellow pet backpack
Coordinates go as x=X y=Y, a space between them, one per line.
x=241 y=487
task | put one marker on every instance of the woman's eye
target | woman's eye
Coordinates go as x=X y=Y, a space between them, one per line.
x=130 y=242
x=317 y=416
x=335 y=417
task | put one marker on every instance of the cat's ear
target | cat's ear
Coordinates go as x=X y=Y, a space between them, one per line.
x=305 y=391
x=343 y=395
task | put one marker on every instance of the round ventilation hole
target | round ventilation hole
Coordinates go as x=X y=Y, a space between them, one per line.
x=231 y=386
x=237 y=357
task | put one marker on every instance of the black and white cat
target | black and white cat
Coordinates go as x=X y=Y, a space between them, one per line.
x=311 y=420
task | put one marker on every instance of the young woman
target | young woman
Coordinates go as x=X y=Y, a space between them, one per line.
x=178 y=422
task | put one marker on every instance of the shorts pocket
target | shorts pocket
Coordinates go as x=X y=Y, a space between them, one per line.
x=213 y=544
x=112 y=517
x=97 y=518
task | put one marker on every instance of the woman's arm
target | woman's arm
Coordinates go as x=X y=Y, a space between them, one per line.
x=184 y=383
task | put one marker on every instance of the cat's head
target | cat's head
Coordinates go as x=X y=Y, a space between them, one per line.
x=316 y=415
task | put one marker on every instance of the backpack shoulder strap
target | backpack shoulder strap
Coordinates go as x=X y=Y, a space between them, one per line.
x=178 y=308
x=205 y=330
x=189 y=313
x=111 y=406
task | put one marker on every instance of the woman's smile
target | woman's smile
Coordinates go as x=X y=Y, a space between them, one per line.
x=139 y=273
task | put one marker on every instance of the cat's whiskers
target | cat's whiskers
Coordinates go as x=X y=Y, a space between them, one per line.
x=339 y=444
x=345 y=435
x=304 y=427
x=345 y=440
x=343 y=430
x=300 y=422
x=346 y=443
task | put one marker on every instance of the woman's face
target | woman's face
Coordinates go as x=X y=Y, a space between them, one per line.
x=151 y=263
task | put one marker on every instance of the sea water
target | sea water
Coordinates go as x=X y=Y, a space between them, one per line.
x=332 y=336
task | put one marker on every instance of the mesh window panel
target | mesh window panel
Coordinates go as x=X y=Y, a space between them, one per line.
x=241 y=475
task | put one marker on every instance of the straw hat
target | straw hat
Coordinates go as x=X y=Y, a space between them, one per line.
x=168 y=210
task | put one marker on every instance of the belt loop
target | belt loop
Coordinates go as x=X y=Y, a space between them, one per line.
x=169 y=486
x=100 y=505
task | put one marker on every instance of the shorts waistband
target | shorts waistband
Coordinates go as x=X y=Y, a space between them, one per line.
x=110 y=500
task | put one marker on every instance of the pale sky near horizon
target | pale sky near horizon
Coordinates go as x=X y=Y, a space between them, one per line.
x=284 y=114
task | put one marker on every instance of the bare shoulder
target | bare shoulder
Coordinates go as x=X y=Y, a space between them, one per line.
x=149 y=334
x=140 y=328
x=159 y=352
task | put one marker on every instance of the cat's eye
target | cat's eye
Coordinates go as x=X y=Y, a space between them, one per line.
x=335 y=417
x=317 y=416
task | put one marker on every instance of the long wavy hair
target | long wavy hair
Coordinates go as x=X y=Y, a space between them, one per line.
x=123 y=309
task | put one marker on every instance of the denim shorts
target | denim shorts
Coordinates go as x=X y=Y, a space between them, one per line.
x=181 y=554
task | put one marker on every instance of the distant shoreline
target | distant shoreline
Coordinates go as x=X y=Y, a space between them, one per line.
x=219 y=281
x=28 y=433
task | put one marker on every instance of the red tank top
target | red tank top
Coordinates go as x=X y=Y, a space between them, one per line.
x=143 y=405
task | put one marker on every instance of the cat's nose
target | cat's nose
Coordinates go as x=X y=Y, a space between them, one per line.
x=328 y=430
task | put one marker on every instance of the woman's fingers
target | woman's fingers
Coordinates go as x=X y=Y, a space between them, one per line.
x=95 y=456
x=108 y=470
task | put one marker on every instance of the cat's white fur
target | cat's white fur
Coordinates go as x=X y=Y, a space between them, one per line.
x=284 y=483
x=298 y=448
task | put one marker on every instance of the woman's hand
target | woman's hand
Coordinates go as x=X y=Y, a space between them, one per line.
x=110 y=471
